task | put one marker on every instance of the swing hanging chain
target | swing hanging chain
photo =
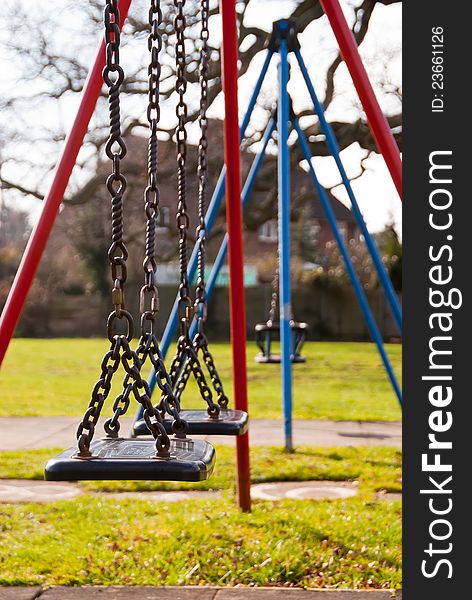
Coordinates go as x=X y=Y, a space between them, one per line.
x=185 y=360
x=274 y=301
x=120 y=350
x=115 y=149
x=182 y=216
x=200 y=291
x=189 y=363
x=200 y=341
x=148 y=346
x=151 y=193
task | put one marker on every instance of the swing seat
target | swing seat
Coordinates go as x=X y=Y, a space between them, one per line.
x=122 y=459
x=277 y=358
x=275 y=326
x=229 y=422
x=265 y=334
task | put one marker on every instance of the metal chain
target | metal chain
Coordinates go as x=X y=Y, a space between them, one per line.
x=134 y=382
x=187 y=362
x=274 y=301
x=200 y=291
x=120 y=350
x=200 y=341
x=115 y=149
x=86 y=429
x=151 y=193
x=182 y=216
x=180 y=371
x=149 y=345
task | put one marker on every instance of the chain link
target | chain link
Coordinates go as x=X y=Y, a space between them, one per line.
x=182 y=216
x=120 y=351
x=200 y=290
x=185 y=360
x=151 y=193
x=115 y=149
x=149 y=298
x=200 y=341
x=148 y=344
x=274 y=301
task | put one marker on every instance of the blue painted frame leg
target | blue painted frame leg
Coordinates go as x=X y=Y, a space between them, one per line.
x=284 y=243
x=371 y=324
x=369 y=240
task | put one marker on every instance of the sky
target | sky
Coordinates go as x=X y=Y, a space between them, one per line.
x=375 y=192
x=381 y=52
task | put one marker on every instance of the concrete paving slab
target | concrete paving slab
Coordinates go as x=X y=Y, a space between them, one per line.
x=22 y=490
x=245 y=593
x=166 y=496
x=200 y=593
x=19 y=593
x=303 y=490
x=389 y=496
x=317 y=432
x=130 y=593
x=22 y=433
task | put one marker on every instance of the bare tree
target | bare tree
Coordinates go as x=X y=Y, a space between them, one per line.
x=52 y=51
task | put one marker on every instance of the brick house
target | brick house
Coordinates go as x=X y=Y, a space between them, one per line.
x=260 y=225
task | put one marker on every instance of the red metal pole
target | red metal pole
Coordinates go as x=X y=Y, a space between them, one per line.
x=234 y=218
x=377 y=122
x=40 y=234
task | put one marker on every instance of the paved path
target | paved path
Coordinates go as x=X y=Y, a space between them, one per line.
x=23 y=490
x=22 y=433
x=192 y=593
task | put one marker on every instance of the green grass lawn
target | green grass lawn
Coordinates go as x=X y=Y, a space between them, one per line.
x=339 y=381
x=374 y=468
x=353 y=543
x=129 y=542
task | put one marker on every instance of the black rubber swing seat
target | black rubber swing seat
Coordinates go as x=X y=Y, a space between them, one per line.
x=122 y=459
x=275 y=326
x=228 y=422
x=277 y=358
x=265 y=331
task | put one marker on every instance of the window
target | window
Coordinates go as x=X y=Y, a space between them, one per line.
x=163 y=219
x=268 y=231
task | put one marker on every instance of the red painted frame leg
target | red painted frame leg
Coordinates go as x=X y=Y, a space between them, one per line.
x=40 y=234
x=377 y=122
x=235 y=234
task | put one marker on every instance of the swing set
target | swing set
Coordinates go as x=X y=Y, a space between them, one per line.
x=282 y=42
x=172 y=454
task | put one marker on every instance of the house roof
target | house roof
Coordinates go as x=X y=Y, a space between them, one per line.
x=304 y=196
x=306 y=193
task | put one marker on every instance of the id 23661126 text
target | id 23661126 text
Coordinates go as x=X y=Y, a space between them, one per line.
x=437 y=69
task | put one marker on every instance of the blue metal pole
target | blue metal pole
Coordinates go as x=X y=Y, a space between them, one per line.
x=369 y=240
x=245 y=195
x=284 y=242
x=210 y=217
x=371 y=324
x=255 y=93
